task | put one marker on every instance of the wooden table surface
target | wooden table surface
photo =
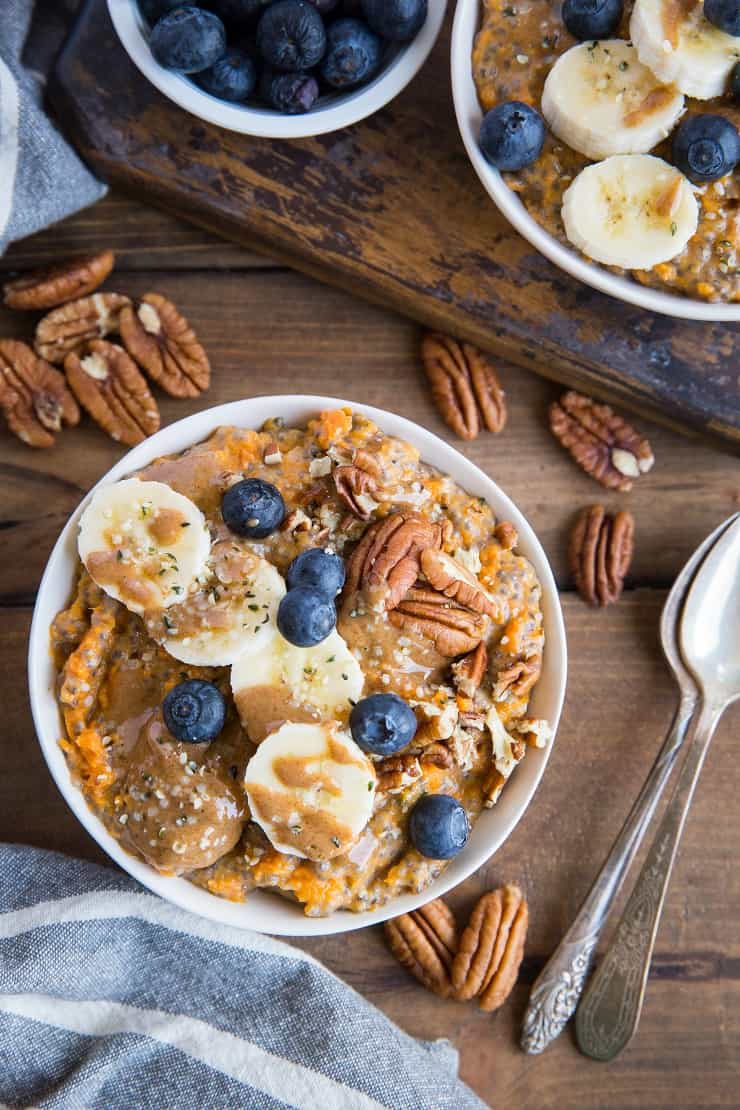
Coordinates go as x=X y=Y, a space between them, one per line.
x=269 y=330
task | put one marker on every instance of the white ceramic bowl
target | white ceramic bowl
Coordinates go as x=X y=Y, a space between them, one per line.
x=469 y=115
x=331 y=112
x=265 y=912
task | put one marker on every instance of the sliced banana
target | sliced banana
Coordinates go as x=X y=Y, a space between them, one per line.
x=218 y=623
x=631 y=210
x=287 y=683
x=143 y=543
x=682 y=47
x=310 y=789
x=600 y=99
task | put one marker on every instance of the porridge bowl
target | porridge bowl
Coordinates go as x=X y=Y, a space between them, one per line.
x=546 y=233
x=419 y=530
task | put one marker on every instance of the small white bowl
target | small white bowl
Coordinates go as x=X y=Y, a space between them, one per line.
x=265 y=912
x=469 y=116
x=330 y=113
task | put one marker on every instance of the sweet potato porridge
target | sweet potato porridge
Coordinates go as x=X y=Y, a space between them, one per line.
x=635 y=165
x=297 y=659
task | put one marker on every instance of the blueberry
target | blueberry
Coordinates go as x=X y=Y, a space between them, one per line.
x=253 y=508
x=233 y=77
x=735 y=83
x=352 y=54
x=396 y=20
x=194 y=711
x=323 y=7
x=511 y=135
x=724 y=14
x=382 y=724
x=592 y=19
x=317 y=570
x=152 y=10
x=292 y=93
x=234 y=13
x=706 y=147
x=188 y=40
x=305 y=617
x=291 y=36
x=438 y=826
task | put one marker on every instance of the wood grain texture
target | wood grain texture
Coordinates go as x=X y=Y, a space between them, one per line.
x=391 y=209
x=272 y=331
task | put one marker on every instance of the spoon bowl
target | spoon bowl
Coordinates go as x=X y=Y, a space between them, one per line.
x=710 y=626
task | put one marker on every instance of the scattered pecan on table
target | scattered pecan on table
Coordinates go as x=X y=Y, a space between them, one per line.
x=601 y=442
x=161 y=341
x=52 y=286
x=107 y=383
x=33 y=395
x=465 y=388
x=425 y=942
x=600 y=553
x=73 y=325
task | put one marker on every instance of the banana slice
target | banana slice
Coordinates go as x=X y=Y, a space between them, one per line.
x=631 y=210
x=143 y=543
x=310 y=789
x=219 y=622
x=601 y=100
x=681 y=46
x=288 y=683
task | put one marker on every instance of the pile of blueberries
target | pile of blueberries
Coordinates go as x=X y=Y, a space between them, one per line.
x=706 y=146
x=382 y=725
x=283 y=54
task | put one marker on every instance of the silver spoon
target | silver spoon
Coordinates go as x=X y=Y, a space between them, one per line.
x=556 y=992
x=710 y=643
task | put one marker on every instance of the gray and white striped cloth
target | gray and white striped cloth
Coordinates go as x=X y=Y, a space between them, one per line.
x=112 y=998
x=41 y=178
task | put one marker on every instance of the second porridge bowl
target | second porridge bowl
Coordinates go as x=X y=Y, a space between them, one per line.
x=453 y=508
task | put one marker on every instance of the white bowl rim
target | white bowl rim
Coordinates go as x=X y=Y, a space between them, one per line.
x=265 y=912
x=469 y=115
x=262 y=122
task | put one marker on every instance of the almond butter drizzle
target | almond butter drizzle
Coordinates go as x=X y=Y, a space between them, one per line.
x=107 y=570
x=655 y=101
x=297 y=771
x=166 y=525
x=317 y=833
x=675 y=14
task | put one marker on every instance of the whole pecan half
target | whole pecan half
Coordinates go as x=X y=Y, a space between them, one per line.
x=108 y=384
x=386 y=561
x=73 y=325
x=356 y=487
x=518 y=678
x=456 y=581
x=468 y=672
x=397 y=772
x=453 y=629
x=162 y=342
x=600 y=441
x=600 y=552
x=491 y=948
x=465 y=388
x=54 y=285
x=425 y=942
x=33 y=395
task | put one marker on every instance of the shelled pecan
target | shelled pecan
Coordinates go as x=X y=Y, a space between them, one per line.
x=161 y=341
x=491 y=948
x=397 y=772
x=600 y=553
x=455 y=581
x=71 y=326
x=33 y=395
x=453 y=629
x=425 y=942
x=517 y=679
x=386 y=561
x=107 y=383
x=506 y=534
x=52 y=286
x=356 y=486
x=601 y=442
x=468 y=672
x=465 y=387
x=435 y=722
x=438 y=754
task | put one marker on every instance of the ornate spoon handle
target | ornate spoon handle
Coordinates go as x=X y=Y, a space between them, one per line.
x=557 y=990
x=608 y=1015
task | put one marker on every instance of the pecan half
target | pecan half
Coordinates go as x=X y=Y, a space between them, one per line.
x=161 y=340
x=355 y=486
x=600 y=441
x=517 y=679
x=73 y=325
x=507 y=535
x=454 y=580
x=386 y=561
x=437 y=754
x=465 y=388
x=491 y=948
x=33 y=395
x=108 y=384
x=54 y=285
x=468 y=672
x=600 y=552
x=452 y=629
x=397 y=772
x=424 y=942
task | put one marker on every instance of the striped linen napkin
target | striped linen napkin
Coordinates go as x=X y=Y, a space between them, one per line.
x=112 y=998
x=41 y=178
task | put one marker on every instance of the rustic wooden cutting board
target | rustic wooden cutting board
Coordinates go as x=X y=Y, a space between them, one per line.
x=391 y=210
